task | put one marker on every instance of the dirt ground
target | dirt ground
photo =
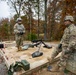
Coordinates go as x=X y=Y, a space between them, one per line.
x=51 y=73
x=45 y=72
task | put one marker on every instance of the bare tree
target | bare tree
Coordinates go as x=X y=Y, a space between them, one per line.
x=16 y=5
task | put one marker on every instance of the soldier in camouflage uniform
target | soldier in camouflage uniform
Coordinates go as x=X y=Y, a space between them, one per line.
x=19 y=31
x=68 y=47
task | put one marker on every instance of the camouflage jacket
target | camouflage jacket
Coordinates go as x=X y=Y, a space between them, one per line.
x=68 y=42
x=19 y=28
x=69 y=37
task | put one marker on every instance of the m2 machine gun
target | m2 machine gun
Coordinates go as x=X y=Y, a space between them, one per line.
x=41 y=42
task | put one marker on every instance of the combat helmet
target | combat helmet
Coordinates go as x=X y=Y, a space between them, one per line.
x=18 y=19
x=70 y=18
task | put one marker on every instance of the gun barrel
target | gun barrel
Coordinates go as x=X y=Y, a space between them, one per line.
x=35 y=41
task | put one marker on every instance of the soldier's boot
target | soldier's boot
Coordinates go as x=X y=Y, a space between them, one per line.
x=69 y=73
x=56 y=67
x=19 y=49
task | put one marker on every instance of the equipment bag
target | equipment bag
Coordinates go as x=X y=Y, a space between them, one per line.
x=18 y=66
x=25 y=65
x=1 y=45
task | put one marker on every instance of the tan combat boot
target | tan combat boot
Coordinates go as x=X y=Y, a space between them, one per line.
x=56 y=66
x=19 y=49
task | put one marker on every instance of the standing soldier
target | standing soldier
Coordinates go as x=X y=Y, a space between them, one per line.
x=19 y=31
x=68 y=48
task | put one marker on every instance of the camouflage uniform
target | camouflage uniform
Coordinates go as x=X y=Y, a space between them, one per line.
x=68 y=42
x=18 y=37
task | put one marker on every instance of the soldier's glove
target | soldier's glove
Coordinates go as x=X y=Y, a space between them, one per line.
x=59 y=46
x=21 y=33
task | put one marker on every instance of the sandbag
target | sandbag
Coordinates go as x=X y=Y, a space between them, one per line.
x=37 y=54
x=25 y=47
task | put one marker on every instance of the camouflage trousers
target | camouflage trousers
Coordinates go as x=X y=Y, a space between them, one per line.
x=63 y=65
x=19 y=40
x=69 y=73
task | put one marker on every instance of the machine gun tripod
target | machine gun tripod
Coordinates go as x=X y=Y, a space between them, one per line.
x=39 y=42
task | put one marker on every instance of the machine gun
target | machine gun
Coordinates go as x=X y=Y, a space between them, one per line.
x=39 y=42
x=35 y=43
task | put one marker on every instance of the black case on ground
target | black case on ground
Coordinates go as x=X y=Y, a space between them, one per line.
x=1 y=45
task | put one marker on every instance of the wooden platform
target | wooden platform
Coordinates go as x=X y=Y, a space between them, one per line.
x=13 y=55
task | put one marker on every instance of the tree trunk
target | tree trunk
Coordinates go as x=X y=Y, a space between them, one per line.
x=38 y=19
x=45 y=24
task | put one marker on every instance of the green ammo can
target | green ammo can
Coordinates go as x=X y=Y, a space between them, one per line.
x=25 y=64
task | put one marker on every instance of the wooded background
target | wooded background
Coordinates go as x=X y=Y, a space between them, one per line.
x=43 y=19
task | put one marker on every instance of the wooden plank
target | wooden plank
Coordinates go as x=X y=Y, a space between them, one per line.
x=6 y=61
x=13 y=56
x=40 y=67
